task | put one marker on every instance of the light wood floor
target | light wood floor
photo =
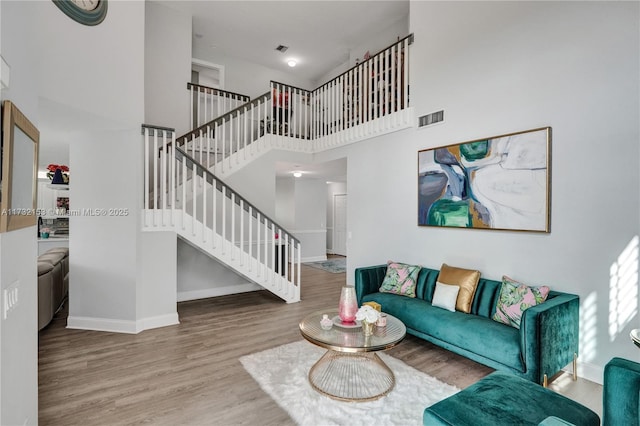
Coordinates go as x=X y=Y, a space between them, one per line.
x=189 y=374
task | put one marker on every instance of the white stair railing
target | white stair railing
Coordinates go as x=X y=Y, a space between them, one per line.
x=368 y=100
x=215 y=218
x=209 y=103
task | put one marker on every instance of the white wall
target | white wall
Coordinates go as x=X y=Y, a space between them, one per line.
x=246 y=77
x=156 y=295
x=200 y=276
x=310 y=223
x=503 y=67
x=301 y=208
x=19 y=331
x=286 y=202
x=105 y=154
x=383 y=39
x=167 y=66
x=18 y=249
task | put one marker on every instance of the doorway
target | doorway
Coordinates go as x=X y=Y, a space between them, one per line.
x=340 y=224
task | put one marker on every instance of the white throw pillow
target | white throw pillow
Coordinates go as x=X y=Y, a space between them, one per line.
x=445 y=296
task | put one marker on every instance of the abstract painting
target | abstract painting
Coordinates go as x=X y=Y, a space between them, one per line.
x=502 y=182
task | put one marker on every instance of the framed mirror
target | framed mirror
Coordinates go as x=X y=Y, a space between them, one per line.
x=18 y=188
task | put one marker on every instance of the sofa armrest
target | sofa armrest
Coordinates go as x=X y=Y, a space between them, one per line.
x=368 y=280
x=549 y=335
x=621 y=393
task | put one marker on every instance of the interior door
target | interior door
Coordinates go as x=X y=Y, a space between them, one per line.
x=340 y=224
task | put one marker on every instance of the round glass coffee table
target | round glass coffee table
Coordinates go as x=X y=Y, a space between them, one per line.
x=350 y=370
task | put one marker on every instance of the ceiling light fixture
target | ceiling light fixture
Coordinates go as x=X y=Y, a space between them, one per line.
x=297 y=174
x=292 y=63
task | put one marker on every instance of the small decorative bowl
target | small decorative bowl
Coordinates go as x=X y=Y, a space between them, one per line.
x=44 y=235
x=326 y=323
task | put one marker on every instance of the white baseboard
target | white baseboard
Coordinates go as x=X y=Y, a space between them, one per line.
x=183 y=296
x=102 y=324
x=159 y=321
x=314 y=259
x=122 y=326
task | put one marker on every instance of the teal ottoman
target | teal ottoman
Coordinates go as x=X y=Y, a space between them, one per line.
x=504 y=399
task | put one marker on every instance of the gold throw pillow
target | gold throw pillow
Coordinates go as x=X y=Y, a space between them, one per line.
x=467 y=279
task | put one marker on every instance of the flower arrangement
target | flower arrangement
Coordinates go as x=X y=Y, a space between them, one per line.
x=368 y=314
x=52 y=170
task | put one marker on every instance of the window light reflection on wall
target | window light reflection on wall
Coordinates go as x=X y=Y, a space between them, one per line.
x=623 y=289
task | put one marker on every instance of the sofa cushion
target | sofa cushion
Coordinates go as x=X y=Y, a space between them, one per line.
x=467 y=279
x=470 y=332
x=445 y=296
x=515 y=298
x=400 y=279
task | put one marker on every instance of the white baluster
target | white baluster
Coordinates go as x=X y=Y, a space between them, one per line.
x=210 y=155
x=394 y=88
x=194 y=192
x=214 y=210
x=204 y=208
x=266 y=251
x=156 y=187
x=224 y=218
x=238 y=120
x=184 y=192
x=147 y=189
x=405 y=68
x=216 y=147
x=191 y=98
x=259 y=262
x=163 y=175
x=172 y=183
x=241 y=232
x=233 y=225
x=250 y=258
x=205 y=116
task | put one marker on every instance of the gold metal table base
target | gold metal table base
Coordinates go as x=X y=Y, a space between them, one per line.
x=354 y=377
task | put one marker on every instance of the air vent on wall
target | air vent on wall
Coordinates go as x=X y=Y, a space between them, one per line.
x=281 y=48
x=434 y=117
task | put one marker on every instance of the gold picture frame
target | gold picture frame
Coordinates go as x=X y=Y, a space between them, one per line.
x=19 y=185
x=499 y=183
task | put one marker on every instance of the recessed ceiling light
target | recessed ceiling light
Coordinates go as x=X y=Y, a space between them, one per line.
x=297 y=174
x=292 y=63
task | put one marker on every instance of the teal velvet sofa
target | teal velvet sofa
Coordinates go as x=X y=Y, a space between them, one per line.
x=621 y=393
x=546 y=342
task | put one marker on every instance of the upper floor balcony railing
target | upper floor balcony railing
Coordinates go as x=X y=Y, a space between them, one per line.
x=208 y=103
x=370 y=99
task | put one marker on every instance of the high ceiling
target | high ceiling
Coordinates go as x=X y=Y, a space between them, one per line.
x=320 y=34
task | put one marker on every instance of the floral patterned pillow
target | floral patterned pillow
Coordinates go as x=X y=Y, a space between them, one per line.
x=400 y=279
x=515 y=298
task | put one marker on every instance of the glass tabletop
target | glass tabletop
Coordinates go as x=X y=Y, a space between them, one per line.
x=351 y=339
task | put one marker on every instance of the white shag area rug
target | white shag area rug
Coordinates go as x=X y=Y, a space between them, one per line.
x=283 y=371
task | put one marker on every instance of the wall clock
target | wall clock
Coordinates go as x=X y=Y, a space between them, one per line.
x=87 y=12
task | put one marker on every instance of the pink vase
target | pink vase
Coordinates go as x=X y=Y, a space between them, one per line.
x=348 y=305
